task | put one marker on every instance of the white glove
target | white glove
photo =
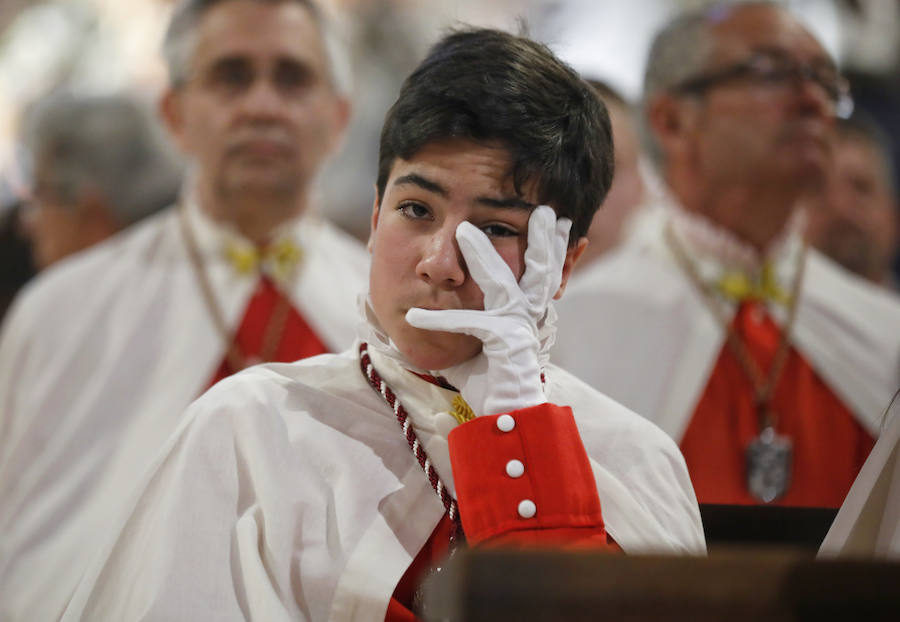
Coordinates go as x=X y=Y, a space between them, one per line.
x=506 y=376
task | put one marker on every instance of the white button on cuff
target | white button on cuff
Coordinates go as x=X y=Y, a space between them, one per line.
x=515 y=468
x=506 y=423
x=527 y=508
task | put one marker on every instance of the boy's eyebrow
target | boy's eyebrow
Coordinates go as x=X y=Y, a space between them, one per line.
x=426 y=184
x=513 y=202
x=414 y=179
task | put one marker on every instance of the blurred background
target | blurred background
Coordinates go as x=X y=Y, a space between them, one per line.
x=102 y=47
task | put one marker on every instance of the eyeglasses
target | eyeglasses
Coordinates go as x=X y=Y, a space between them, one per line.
x=778 y=72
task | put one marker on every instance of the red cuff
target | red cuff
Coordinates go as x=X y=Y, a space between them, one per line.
x=556 y=489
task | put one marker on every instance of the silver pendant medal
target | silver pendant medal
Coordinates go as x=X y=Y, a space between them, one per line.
x=769 y=462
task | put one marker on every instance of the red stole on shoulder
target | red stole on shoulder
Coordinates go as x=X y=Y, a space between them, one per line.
x=296 y=341
x=829 y=445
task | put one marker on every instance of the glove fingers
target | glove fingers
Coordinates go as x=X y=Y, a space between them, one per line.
x=561 y=245
x=486 y=266
x=547 y=244
x=464 y=321
x=540 y=227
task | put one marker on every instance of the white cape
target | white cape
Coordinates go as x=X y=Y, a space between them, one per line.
x=98 y=360
x=868 y=523
x=634 y=327
x=290 y=493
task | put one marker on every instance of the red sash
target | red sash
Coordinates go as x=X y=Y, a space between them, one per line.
x=829 y=445
x=297 y=339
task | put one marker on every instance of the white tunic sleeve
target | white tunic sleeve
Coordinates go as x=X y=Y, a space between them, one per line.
x=868 y=523
x=12 y=351
x=195 y=543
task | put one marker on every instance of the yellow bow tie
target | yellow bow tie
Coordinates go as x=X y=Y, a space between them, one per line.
x=739 y=287
x=281 y=257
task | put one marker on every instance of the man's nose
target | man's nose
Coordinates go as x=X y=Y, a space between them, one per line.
x=263 y=100
x=812 y=97
x=442 y=263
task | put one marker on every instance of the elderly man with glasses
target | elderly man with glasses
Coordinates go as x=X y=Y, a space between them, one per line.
x=769 y=364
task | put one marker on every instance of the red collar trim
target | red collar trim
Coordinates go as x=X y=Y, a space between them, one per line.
x=436 y=380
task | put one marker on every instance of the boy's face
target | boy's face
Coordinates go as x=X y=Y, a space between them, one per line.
x=416 y=261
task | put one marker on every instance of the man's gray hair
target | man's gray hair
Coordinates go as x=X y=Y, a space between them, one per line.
x=180 y=40
x=109 y=144
x=682 y=50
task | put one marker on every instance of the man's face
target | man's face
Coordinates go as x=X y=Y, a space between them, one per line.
x=258 y=113
x=749 y=129
x=54 y=229
x=856 y=221
x=58 y=228
x=416 y=261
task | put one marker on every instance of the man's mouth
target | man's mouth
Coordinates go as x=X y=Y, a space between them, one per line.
x=261 y=143
x=261 y=148
x=807 y=133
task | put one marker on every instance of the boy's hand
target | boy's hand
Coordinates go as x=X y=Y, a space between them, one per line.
x=507 y=375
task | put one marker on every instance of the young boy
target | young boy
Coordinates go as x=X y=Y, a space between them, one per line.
x=323 y=489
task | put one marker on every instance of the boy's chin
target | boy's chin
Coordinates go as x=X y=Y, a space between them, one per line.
x=435 y=351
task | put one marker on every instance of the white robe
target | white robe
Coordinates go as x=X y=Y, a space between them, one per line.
x=290 y=493
x=98 y=360
x=868 y=523
x=633 y=326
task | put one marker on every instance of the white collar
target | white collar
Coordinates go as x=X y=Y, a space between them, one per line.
x=213 y=237
x=716 y=250
x=708 y=241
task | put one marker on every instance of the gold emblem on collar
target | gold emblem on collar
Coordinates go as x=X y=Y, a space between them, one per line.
x=461 y=411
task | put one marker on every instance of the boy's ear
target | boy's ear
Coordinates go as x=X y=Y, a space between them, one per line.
x=376 y=208
x=573 y=254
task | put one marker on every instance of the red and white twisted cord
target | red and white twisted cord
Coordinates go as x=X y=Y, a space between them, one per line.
x=385 y=391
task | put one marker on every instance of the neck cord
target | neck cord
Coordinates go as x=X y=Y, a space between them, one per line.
x=400 y=412
x=763 y=387
x=275 y=326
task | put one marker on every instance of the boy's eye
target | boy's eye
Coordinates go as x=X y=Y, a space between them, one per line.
x=414 y=211
x=499 y=231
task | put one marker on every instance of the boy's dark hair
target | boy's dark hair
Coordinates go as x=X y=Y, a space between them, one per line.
x=607 y=94
x=488 y=85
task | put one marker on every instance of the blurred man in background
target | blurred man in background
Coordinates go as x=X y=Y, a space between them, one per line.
x=100 y=163
x=856 y=221
x=627 y=193
x=767 y=364
x=100 y=357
